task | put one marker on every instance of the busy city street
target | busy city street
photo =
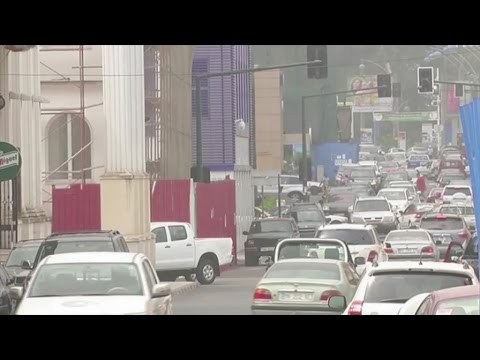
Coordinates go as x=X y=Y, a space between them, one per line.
x=239 y=180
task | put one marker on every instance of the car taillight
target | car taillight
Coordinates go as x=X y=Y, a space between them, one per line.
x=389 y=250
x=326 y=295
x=262 y=295
x=464 y=234
x=418 y=215
x=442 y=217
x=372 y=256
x=427 y=250
x=356 y=308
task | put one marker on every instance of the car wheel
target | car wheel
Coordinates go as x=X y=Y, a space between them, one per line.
x=206 y=272
x=315 y=190
x=296 y=196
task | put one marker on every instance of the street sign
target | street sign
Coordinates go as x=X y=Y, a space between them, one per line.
x=10 y=161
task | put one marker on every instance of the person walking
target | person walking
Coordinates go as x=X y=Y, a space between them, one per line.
x=421 y=183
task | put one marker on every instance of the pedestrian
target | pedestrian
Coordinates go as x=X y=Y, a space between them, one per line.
x=421 y=183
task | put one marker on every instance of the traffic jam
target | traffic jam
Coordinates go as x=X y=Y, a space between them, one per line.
x=393 y=234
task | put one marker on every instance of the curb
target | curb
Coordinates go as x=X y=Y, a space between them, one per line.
x=187 y=287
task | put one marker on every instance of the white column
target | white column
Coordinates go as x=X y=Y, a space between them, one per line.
x=124 y=104
x=125 y=186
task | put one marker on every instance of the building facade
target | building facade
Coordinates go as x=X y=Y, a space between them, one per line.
x=225 y=102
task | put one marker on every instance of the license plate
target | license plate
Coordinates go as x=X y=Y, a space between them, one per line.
x=407 y=251
x=264 y=260
x=267 y=249
x=295 y=296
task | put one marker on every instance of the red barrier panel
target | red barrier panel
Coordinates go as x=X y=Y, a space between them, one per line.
x=170 y=201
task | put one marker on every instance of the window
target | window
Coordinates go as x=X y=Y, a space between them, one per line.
x=20 y=254
x=293 y=181
x=299 y=270
x=393 y=195
x=352 y=276
x=442 y=223
x=271 y=226
x=306 y=249
x=160 y=235
x=459 y=306
x=64 y=141
x=423 y=309
x=178 y=233
x=410 y=210
x=372 y=205
x=349 y=236
x=455 y=190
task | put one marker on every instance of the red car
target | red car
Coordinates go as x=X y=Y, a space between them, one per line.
x=462 y=300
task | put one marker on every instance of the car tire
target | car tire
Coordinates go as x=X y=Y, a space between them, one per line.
x=206 y=271
x=166 y=277
x=296 y=195
x=251 y=260
x=315 y=190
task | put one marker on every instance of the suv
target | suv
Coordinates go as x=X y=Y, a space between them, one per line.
x=23 y=251
x=386 y=287
x=86 y=241
x=446 y=228
x=263 y=236
x=308 y=216
x=362 y=241
x=374 y=211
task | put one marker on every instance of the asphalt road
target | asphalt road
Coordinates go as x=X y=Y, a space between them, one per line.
x=230 y=294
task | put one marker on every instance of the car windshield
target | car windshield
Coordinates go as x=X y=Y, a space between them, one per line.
x=349 y=236
x=270 y=226
x=410 y=188
x=303 y=270
x=456 y=190
x=79 y=279
x=362 y=173
x=20 y=254
x=388 y=164
x=311 y=249
x=307 y=216
x=472 y=248
x=439 y=223
x=460 y=306
x=393 y=195
x=371 y=205
x=403 y=176
x=407 y=236
x=462 y=210
x=71 y=246
x=400 y=286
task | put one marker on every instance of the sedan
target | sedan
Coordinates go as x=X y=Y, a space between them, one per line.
x=304 y=286
x=94 y=284
x=411 y=245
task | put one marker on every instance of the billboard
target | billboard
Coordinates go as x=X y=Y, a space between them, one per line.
x=368 y=100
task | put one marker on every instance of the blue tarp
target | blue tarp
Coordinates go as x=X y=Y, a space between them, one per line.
x=470 y=116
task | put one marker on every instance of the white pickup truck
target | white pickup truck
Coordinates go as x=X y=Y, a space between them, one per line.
x=179 y=253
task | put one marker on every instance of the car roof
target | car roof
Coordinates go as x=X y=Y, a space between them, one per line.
x=458 y=186
x=310 y=260
x=416 y=265
x=26 y=243
x=434 y=215
x=166 y=223
x=407 y=231
x=346 y=227
x=456 y=292
x=374 y=198
x=92 y=257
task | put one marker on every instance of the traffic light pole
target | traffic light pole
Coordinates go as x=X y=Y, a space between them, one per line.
x=304 y=126
x=198 y=107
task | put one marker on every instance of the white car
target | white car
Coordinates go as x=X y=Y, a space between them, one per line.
x=410 y=217
x=303 y=286
x=450 y=191
x=374 y=211
x=399 y=157
x=93 y=283
x=399 y=198
x=292 y=187
x=179 y=253
x=386 y=287
x=362 y=241
x=466 y=210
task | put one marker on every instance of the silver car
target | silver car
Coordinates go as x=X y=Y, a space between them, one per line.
x=374 y=211
x=411 y=245
x=304 y=286
x=467 y=211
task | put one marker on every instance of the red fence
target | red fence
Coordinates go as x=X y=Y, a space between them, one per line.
x=170 y=201
x=216 y=210
x=76 y=208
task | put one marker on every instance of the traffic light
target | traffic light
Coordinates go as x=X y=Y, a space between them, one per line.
x=458 y=90
x=320 y=70
x=425 y=80
x=396 y=90
x=384 y=84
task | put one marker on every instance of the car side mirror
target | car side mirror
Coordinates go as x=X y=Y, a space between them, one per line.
x=245 y=233
x=26 y=265
x=360 y=261
x=161 y=290
x=16 y=292
x=337 y=302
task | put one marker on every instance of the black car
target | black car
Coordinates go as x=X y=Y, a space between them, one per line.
x=263 y=236
x=22 y=252
x=308 y=216
x=6 y=304
x=339 y=199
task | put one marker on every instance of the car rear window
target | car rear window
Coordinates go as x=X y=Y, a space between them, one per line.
x=293 y=270
x=311 y=249
x=270 y=226
x=405 y=236
x=441 y=224
x=362 y=173
x=455 y=190
x=400 y=286
x=60 y=247
x=459 y=306
x=397 y=177
x=418 y=157
x=349 y=236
